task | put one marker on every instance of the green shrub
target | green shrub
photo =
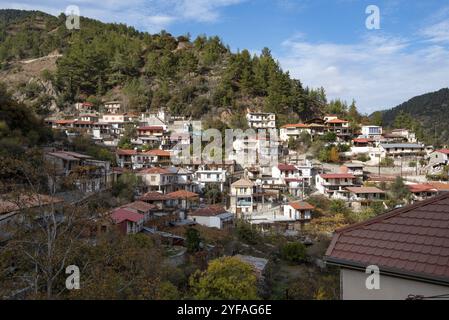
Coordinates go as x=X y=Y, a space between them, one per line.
x=294 y=252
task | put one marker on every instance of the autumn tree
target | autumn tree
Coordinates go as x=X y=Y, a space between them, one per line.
x=225 y=279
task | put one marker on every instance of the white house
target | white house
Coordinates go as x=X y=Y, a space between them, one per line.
x=242 y=197
x=214 y=216
x=261 y=120
x=185 y=180
x=159 y=179
x=293 y=131
x=338 y=126
x=371 y=131
x=113 y=118
x=353 y=168
x=401 y=150
x=298 y=210
x=406 y=134
x=334 y=185
x=113 y=106
x=439 y=158
x=205 y=177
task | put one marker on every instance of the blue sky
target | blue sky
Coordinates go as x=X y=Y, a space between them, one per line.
x=321 y=42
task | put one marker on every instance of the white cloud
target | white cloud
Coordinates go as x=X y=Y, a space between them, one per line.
x=150 y=15
x=378 y=71
x=438 y=32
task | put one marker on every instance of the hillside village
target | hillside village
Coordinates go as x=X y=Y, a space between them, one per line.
x=299 y=198
x=304 y=194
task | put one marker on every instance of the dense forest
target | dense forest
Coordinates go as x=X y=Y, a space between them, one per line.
x=198 y=77
x=427 y=114
x=192 y=77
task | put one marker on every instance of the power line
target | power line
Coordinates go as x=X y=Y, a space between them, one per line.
x=421 y=297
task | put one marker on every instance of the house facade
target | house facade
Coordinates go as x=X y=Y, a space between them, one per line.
x=214 y=216
x=298 y=210
x=261 y=120
x=334 y=185
x=242 y=199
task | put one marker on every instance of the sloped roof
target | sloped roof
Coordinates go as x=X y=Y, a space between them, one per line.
x=301 y=205
x=287 y=167
x=120 y=215
x=424 y=187
x=440 y=186
x=243 y=183
x=151 y=128
x=210 y=211
x=159 y=153
x=123 y=152
x=153 y=196
x=401 y=145
x=182 y=194
x=10 y=203
x=296 y=125
x=362 y=140
x=445 y=151
x=411 y=241
x=140 y=205
x=156 y=170
x=365 y=190
x=337 y=121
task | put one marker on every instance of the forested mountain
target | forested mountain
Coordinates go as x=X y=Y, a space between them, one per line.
x=427 y=113
x=195 y=77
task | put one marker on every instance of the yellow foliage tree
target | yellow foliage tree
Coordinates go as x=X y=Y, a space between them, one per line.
x=226 y=278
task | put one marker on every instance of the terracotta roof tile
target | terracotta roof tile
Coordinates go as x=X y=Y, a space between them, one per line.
x=154 y=196
x=301 y=205
x=209 y=211
x=182 y=194
x=120 y=215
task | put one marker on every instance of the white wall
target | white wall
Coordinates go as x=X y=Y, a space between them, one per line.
x=391 y=288
x=212 y=222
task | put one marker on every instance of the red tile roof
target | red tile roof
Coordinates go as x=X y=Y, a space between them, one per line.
x=122 y=152
x=296 y=125
x=64 y=121
x=337 y=121
x=140 y=206
x=209 y=211
x=154 y=196
x=156 y=170
x=301 y=205
x=445 y=151
x=159 y=153
x=362 y=140
x=414 y=188
x=83 y=122
x=151 y=128
x=120 y=215
x=286 y=167
x=10 y=203
x=440 y=186
x=182 y=194
x=337 y=176
x=412 y=241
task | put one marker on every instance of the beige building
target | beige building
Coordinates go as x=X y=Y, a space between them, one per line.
x=242 y=199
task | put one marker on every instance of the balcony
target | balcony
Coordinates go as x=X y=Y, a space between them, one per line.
x=244 y=203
